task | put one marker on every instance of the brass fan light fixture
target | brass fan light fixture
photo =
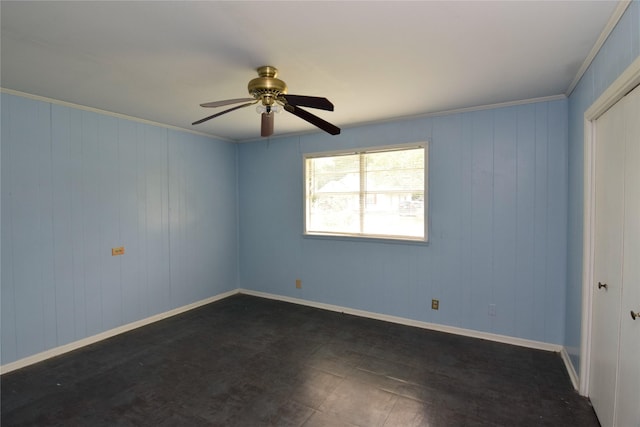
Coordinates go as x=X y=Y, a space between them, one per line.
x=271 y=93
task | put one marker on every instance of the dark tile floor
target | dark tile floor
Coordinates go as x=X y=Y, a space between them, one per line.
x=247 y=361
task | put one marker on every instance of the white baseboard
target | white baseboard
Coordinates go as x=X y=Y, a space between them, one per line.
x=39 y=357
x=410 y=322
x=570 y=369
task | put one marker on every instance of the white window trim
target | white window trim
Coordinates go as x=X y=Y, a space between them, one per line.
x=363 y=237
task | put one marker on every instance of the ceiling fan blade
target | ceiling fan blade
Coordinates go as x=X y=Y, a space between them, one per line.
x=309 y=101
x=223 y=112
x=313 y=119
x=266 y=128
x=225 y=102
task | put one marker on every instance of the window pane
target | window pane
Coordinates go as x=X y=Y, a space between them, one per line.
x=396 y=178
x=395 y=170
x=335 y=174
x=395 y=214
x=337 y=213
x=369 y=194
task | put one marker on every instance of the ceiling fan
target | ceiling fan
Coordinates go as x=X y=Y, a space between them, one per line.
x=271 y=93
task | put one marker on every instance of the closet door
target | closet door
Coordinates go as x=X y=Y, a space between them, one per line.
x=607 y=289
x=628 y=390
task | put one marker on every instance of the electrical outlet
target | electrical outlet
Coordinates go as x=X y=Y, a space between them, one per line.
x=298 y=284
x=435 y=304
x=492 y=310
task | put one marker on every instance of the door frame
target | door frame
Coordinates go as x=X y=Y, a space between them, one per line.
x=628 y=80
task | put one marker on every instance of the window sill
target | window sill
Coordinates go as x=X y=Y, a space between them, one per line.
x=366 y=239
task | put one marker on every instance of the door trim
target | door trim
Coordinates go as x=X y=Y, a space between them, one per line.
x=629 y=79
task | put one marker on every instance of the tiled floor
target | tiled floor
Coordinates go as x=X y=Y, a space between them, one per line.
x=247 y=361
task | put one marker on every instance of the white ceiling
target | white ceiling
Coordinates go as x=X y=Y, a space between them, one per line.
x=374 y=60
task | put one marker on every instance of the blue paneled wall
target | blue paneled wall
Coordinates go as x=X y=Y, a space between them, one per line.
x=506 y=219
x=619 y=51
x=498 y=215
x=77 y=183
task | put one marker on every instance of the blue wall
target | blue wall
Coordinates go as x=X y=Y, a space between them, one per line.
x=506 y=219
x=498 y=204
x=619 y=51
x=77 y=183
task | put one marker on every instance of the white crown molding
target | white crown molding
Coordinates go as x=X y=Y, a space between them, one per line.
x=427 y=115
x=109 y=113
x=293 y=134
x=470 y=109
x=608 y=28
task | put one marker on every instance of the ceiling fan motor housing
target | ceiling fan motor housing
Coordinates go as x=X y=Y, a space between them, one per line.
x=267 y=87
x=271 y=92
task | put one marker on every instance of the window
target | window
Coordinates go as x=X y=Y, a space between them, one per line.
x=372 y=193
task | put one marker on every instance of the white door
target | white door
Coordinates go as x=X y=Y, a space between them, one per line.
x=609 y=206
x=614 y=386
x=628 y=392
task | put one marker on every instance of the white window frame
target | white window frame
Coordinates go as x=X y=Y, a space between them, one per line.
x=364 y=236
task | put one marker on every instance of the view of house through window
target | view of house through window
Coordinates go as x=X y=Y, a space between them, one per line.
x=379 y=193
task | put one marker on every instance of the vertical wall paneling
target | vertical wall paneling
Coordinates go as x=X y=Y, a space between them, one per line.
x=195 y=234
x=177 y=212
x=556 y=250
x=525 y=317
x=141 y=194
x=74 y=124
x=446 y=144
x=31 y=127
x=91 y=198
x=47 y=246
x=481 y=218
x=505 y=218
x=109 y=190
x=157 y=236
x=633 y=21
x=494 y=218
x=62 y=190
x=129 y=163
x=540 y=211
x=8 y=338
x=466 y=220
x=76 y=184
